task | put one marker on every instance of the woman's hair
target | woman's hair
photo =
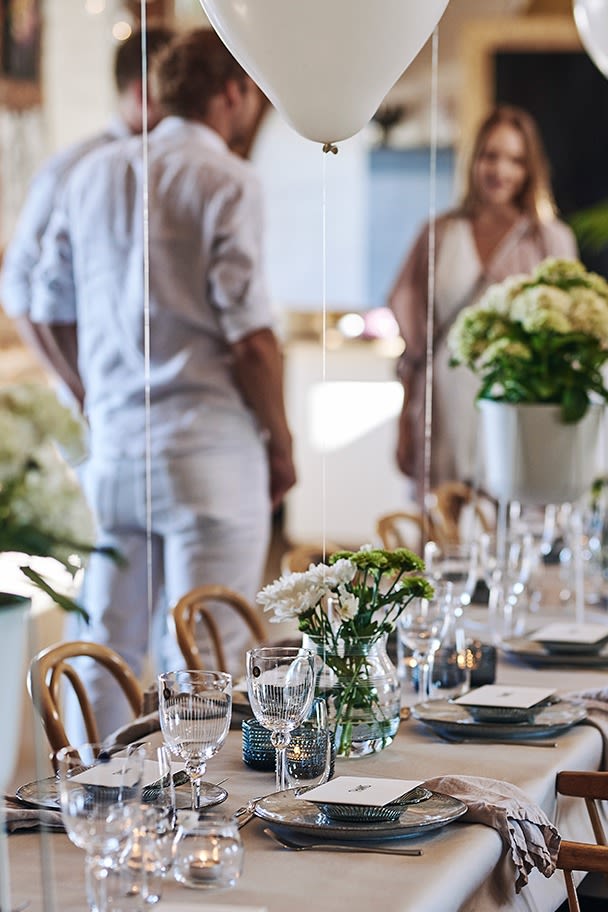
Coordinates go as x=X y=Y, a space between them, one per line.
x=193 y=69
x=535 y=198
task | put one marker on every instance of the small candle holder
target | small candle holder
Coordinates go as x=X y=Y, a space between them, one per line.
x=208 y=853
x=310 y=758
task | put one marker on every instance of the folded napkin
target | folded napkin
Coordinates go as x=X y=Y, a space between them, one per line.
x=595 y=702
x=523 y=827
x=134 y=731
x=20 y=817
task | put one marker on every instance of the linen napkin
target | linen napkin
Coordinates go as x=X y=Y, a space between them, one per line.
x=20 y=817
x=595 y=702
x=524 y=828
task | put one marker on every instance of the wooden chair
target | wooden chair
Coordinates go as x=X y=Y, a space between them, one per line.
x=300 y=557
x=194 y=609
x=447 y=503
x=404 y=529
x=577 y=856
x=52 y=665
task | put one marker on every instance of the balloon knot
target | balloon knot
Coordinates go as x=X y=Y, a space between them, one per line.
x=330 y=147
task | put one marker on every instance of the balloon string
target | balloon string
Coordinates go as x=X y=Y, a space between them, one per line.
x=430 y=310
x=324 y=353
x=146 y=268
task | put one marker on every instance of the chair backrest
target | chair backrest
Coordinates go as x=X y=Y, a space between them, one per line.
x=195 y=608
x=300 y=557
x=446 y=508
x=50 y=667
x=577 y=856
x=580 y=856
x=404 y=529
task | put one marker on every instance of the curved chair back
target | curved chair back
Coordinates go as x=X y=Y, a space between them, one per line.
x=194 y=608
x=577 y=856
x=300 y=557
x=50 y=667
x=404 y=529
x=448 y=501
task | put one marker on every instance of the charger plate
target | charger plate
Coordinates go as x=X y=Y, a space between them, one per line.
x=43 y=793
x=534 y=653
x=447 y=718
x=283 y=810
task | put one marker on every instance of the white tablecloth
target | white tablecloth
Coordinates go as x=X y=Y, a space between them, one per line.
x=464 y=866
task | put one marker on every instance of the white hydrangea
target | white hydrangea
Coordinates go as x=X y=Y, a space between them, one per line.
x=542 y=308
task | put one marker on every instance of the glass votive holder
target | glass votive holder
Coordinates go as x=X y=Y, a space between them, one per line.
x=208 y=852
x=310 y=755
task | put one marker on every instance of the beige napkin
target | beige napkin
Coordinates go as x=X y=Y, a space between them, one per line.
x=523 y=827
x=21 y=817
x=595 y=702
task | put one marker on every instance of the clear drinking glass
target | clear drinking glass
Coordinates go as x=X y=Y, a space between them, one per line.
x=100 y=798
x=456 y=564
x=310 y=754
x=195 y=708
x=420 y=627
x=281 y=687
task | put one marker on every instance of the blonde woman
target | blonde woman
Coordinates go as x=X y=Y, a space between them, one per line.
x=505 y=224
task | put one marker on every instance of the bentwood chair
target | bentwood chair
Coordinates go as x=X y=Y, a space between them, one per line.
x=404 y=529
x=194 y=611
x=576 y=856
x=52 y=666
x=448 y=502
x=299 y=558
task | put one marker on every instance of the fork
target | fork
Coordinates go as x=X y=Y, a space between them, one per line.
x=522 y=742
x=337 y=847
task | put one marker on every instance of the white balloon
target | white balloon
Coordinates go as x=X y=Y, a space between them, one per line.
x=591 y=17
x=326 y=65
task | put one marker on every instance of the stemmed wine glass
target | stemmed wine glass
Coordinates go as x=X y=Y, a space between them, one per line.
x=100 y=806
x=281 y=687
x=195 y=708
x=421 y=627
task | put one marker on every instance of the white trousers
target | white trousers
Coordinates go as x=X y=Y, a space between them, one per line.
x=210 y=523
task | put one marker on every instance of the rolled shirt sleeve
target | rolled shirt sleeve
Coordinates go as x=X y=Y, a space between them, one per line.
x=53 y=287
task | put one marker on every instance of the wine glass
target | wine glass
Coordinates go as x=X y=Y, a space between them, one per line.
x=195 y=709
x=456 y=564
x=100 y=806
x=281 y=687
x=421 y=627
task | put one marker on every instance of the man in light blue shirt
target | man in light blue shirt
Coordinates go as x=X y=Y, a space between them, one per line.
x=216 y=446
x=23 y=251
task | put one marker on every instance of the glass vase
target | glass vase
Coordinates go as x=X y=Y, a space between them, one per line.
x=360 y=685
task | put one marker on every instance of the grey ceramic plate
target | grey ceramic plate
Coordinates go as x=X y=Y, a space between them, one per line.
x=284 y=811
x=42 y=793
x=451 y=719
x=562 y=648
x=533 y=653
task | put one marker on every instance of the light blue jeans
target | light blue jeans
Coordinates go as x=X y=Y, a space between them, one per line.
x=210 y=522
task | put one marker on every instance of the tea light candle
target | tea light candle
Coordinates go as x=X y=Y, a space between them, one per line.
x=204 y=868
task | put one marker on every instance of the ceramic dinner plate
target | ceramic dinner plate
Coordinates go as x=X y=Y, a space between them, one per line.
x=534 y=653
x=284 y=811
x=448 y=718
x=42 y=793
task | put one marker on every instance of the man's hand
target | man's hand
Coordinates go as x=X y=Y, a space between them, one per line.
x=282 y=474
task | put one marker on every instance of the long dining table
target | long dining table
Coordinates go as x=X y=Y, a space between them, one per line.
x=464 y=866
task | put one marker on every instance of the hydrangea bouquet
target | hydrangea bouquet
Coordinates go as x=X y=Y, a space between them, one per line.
x=539 y=338
x=43 y=512
x=347 y=607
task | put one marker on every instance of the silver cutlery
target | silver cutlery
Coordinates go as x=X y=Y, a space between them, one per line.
x=337 y=847
x=522 y=742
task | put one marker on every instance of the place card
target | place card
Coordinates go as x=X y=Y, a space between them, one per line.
x=512 y=696
x=116 y=773
x=570 y=633
x=358 y=790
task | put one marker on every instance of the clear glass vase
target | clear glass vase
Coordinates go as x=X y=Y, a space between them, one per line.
x=360 y=685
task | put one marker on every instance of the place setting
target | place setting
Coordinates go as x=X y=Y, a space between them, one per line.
x=578 y=645
x=505 y=713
